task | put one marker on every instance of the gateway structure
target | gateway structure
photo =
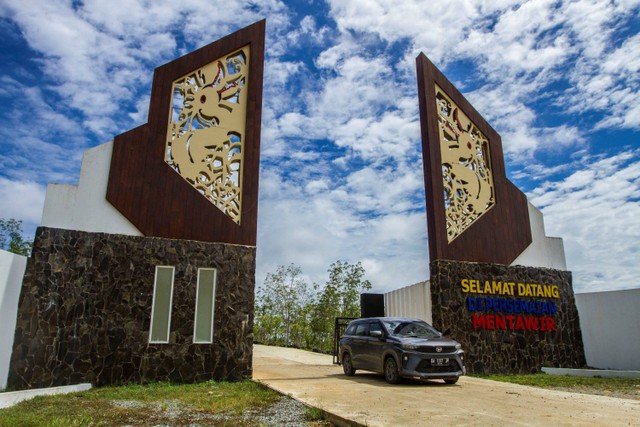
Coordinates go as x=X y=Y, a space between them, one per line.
x=145 y=271
x=497 y=284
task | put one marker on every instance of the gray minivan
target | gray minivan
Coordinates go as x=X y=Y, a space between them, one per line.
x=400 y=348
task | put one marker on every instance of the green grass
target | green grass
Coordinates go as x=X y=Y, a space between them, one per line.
x=315 y=414
x=210 y=403
x=614 y=387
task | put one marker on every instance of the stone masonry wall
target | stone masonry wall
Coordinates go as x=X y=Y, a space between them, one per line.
x=496 y=329
x=85 y=311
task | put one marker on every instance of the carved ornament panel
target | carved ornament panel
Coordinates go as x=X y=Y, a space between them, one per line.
x=206 y=132
x=466 y=167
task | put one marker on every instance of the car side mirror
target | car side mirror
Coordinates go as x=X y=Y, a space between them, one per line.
x=376 y=334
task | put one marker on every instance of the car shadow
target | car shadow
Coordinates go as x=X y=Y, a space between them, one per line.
x=378 y=379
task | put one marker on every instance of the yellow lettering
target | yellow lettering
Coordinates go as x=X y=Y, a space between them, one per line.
x=473 y=286
x=487 y=287
x=509 y=288
x=496 y=287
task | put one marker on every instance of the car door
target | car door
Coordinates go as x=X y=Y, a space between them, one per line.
x=359 y=346
x=372 y=351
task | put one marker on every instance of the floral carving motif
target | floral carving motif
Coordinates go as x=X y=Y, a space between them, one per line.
x=206 y=131
x=466 y=167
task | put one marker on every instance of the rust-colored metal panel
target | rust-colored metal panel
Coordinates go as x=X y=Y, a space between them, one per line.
x=500 y=231
x=149 y=192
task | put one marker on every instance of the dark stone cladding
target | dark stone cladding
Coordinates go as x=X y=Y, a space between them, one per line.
x=85 y=310
x=506 y=351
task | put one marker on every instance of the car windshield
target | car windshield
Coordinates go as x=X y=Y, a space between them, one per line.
x=411 y=329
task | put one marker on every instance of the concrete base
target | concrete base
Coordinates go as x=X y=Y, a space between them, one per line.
x=13 y=397
x=86 y=304
x=603 y=373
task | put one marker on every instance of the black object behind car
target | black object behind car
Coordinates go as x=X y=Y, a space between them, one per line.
x=400 y=348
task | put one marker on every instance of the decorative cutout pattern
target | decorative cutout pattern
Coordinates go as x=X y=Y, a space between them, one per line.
x=205 y=136
x=466 y=167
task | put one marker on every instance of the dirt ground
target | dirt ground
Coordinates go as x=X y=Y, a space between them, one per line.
x=368 y=400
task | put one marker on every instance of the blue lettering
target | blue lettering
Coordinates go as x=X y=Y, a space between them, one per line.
x=509 y=306
x=488 y=304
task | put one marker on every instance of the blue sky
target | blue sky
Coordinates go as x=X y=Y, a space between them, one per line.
x=341 y=169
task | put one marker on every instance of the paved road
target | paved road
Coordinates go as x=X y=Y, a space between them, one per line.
x=367 y=399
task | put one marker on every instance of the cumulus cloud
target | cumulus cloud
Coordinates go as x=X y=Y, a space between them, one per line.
x=22 y=200
x=313 y=232
x=341 y=170
x=597 y=211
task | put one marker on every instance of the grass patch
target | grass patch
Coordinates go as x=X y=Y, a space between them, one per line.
x=209 y=403
x=626 y=388
x=315 y=414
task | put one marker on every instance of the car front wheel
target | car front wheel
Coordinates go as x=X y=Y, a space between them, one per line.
x=391 y=371
x=451 y=380
x=347 y=366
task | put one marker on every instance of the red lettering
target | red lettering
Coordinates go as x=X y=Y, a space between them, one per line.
x=490 y=321
x=531 y=323
x=551 y=326
x=479 y=321
x=501 y=323
x=517 y=323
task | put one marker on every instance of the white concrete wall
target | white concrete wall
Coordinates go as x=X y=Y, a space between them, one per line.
x=84 y=207
x=411 y=301
x=610 y=323
x=12 y=269
x=543 y=251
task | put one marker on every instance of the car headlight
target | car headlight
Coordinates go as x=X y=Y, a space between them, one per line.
x=409 y=346
x=458 y=346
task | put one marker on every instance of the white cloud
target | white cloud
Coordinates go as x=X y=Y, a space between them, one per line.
x=597 y=212
x=100 y=52
x=308 y=28
x=520 y=48
x=610 y=83
x=341 y=173
x=22 y=200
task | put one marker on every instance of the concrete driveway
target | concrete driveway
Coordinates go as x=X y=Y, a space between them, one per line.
x=368 y=400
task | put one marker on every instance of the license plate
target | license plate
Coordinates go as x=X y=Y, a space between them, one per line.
x=439 y=362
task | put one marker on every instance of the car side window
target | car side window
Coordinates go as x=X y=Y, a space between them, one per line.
x=362 y=329
x=374 y=327
x=351 y=330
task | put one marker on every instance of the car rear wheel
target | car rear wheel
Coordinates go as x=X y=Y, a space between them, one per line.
x=347 y=366
x=451 y=380
x=391 y=371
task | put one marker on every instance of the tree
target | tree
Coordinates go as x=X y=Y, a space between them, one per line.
x=286 y=314
x=340 y=297
x=281 y=308
x=11 y=237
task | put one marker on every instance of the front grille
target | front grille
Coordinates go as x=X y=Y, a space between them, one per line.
x=432 y=349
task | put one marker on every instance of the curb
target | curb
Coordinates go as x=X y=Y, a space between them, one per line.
x=10 y=398
x=334 y=419
x=603 y=373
